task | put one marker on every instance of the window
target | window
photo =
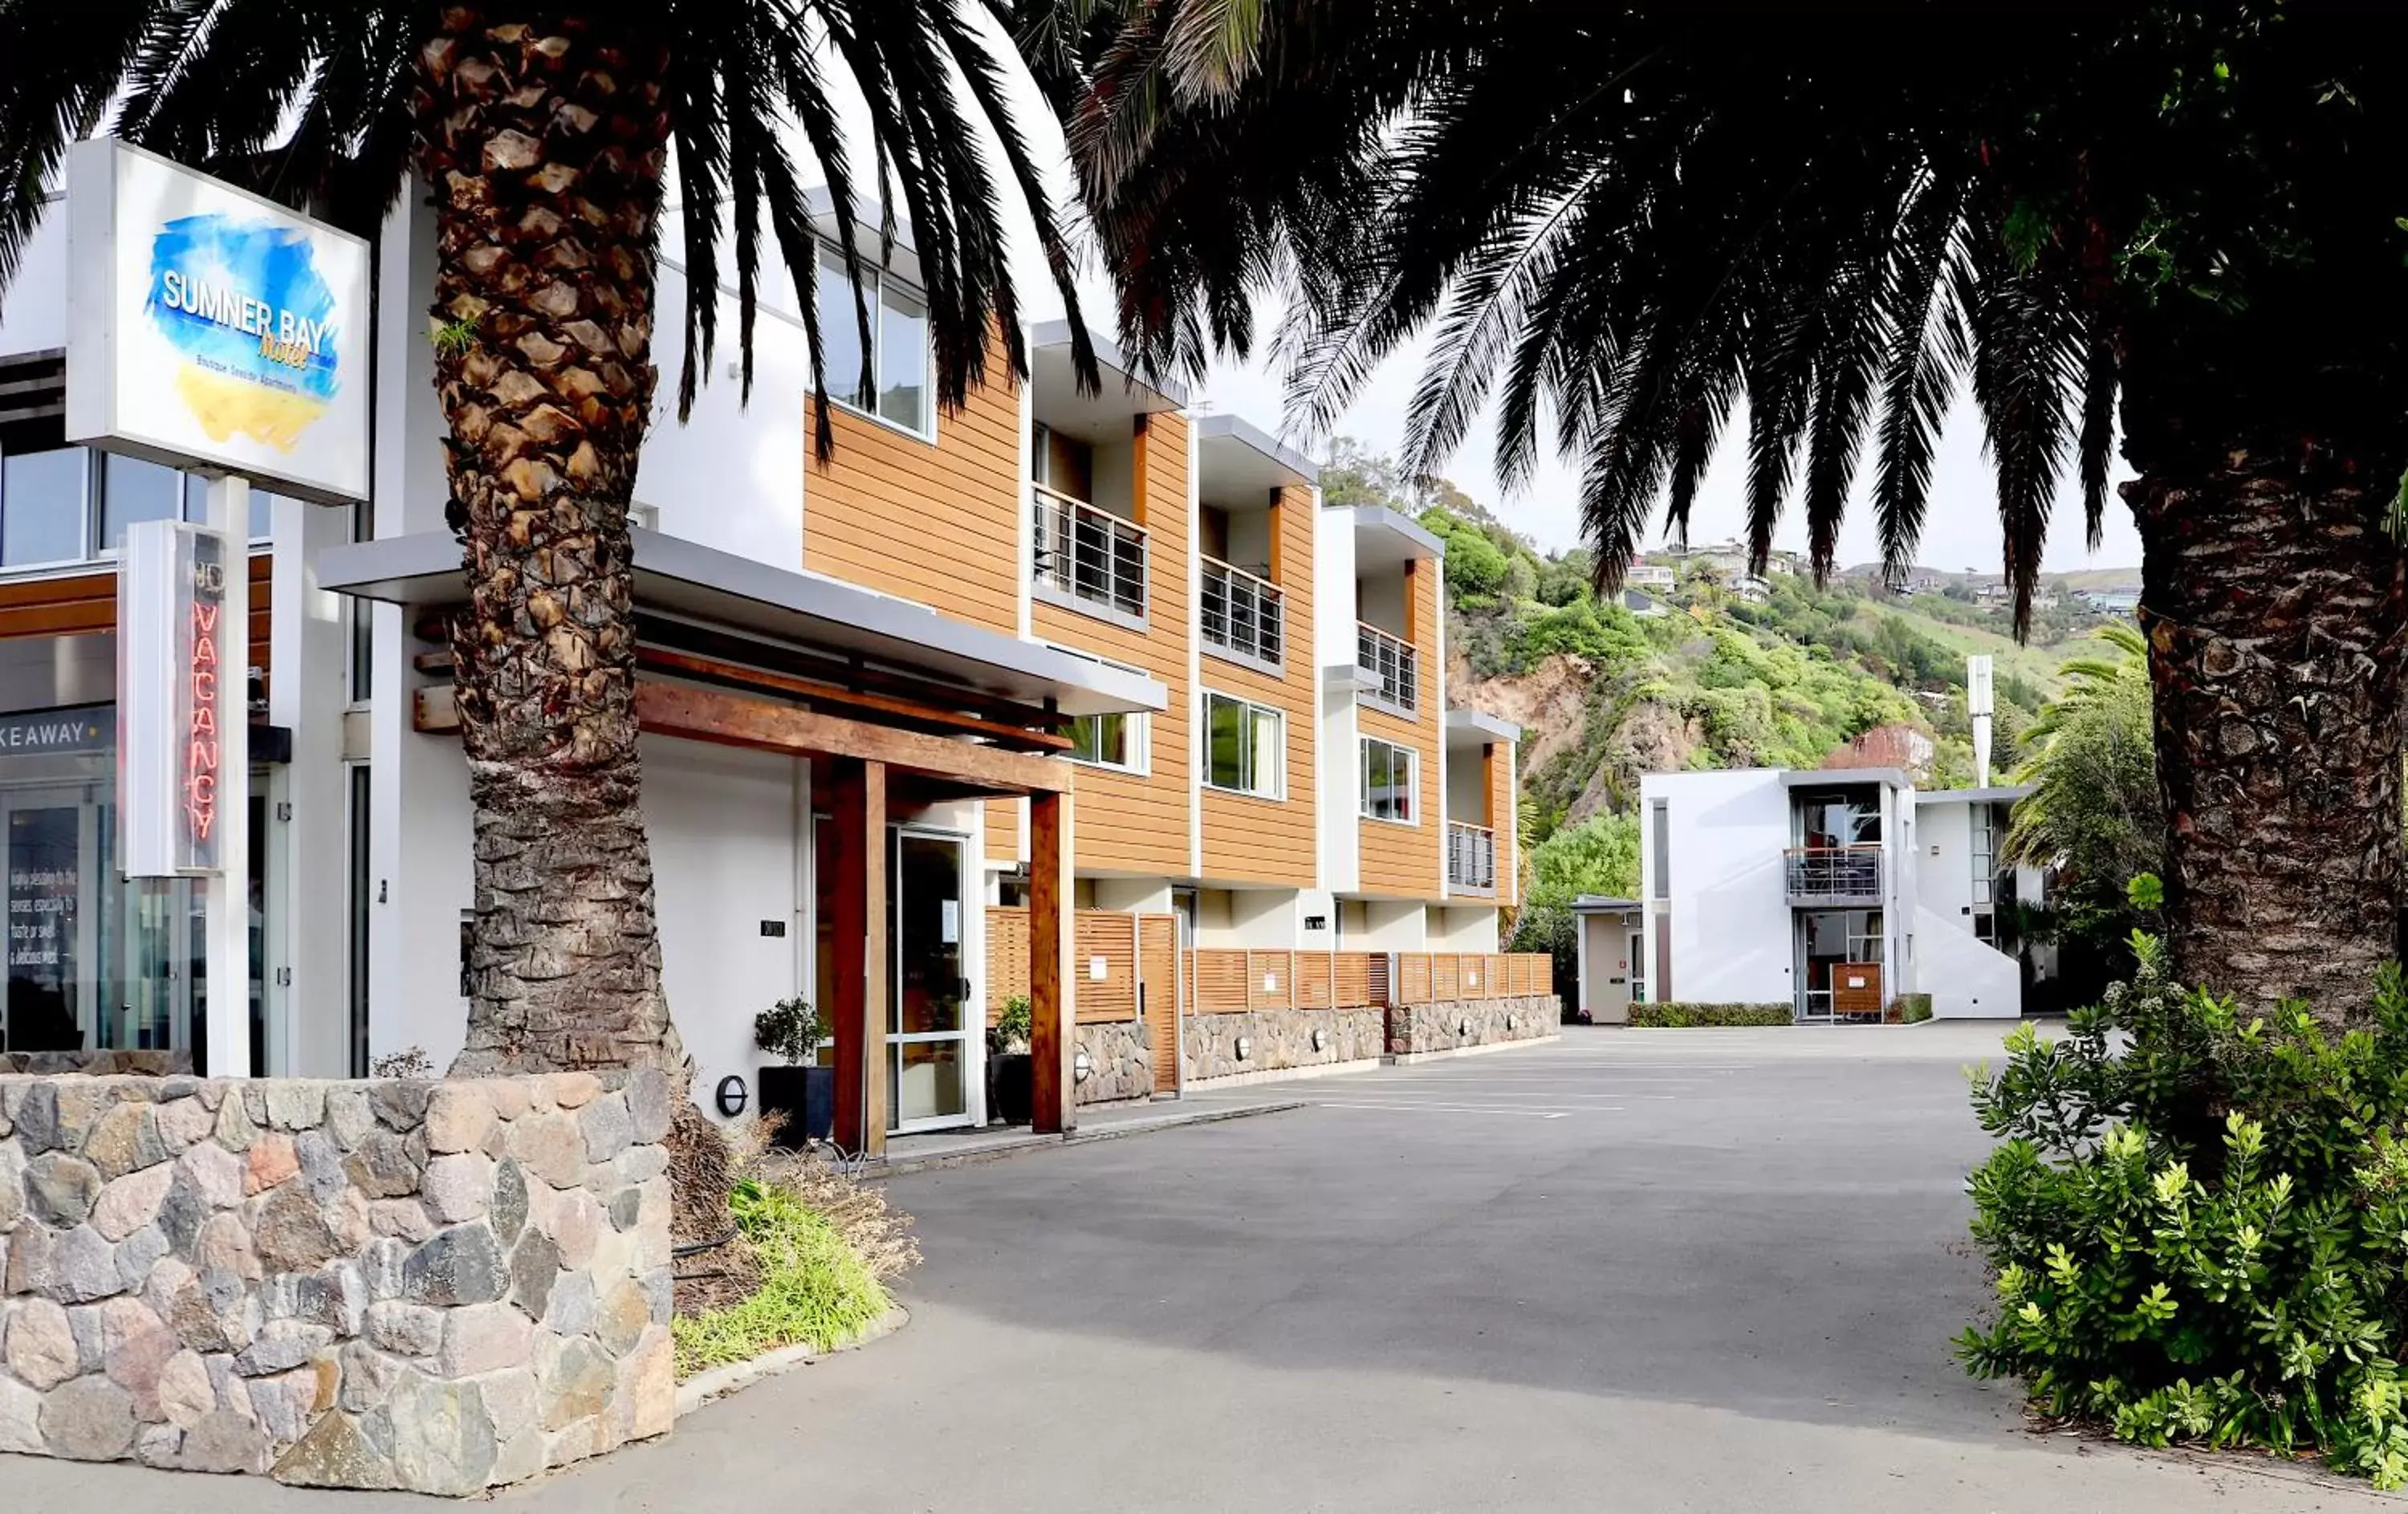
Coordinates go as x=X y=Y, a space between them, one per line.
x=1659 y=833
x=1388 y=781
x=1246 y=741
x=42 y=506
x=72 y=504
x=1113 y=740
x=891 y=380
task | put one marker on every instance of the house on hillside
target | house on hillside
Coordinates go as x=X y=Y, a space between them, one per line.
x=1831 y=892
x=1922 y=580
x=1640 y=604
x=2121 y=599
x=1750 y=590
x=1651 y=576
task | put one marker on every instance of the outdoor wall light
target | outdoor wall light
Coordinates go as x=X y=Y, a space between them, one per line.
x=1245 y=1047
x=732 y=1096
x=1080 y=1066
x=1512 y=1022
x=1463 y=1027
x=1319 y=1040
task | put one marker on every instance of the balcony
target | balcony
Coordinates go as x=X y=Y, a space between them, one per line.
x=1392 y=666
x=1834 y=874
x=1470 y=858
x=1088 y=558
x=1244 y=617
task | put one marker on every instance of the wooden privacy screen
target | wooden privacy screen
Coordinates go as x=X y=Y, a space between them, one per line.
x=1108 y=939
x=1855 y=989
x=1436 y=978
x=1158 y=956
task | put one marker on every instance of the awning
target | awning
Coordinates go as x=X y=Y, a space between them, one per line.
x=811 y=612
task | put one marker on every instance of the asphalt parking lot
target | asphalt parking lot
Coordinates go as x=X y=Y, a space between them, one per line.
x=1623 y=1271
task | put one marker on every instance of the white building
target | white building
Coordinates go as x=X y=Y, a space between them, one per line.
x=1763 y=885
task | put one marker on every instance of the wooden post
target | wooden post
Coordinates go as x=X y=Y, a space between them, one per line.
x=858 y=1014
x=1053 y=992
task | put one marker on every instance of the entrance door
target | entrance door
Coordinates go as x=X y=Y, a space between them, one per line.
x=53 y=869
x=1638 y=959
x=928 y=1052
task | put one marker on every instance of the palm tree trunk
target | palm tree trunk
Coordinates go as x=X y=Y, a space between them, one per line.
x=542 y=135
x=2274 y=610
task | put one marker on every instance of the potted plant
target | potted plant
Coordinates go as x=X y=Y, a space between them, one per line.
x=1009 y=1064
x=804 y=1093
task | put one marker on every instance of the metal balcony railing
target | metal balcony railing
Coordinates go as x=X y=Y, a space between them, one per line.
x=1088 y=553
x=1470 y=858
x=1244 y=615
x=1393 y=664
x=1834 y=874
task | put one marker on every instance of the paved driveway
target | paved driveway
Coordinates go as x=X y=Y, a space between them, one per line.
x=1627 y=1271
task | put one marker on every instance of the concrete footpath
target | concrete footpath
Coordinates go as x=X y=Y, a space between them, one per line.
x=1627 y=1271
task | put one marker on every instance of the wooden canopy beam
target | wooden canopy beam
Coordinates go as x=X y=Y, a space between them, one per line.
x=910 y=711
x=706 y=715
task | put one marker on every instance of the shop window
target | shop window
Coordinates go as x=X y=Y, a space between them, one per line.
x=61 y=505
x=133 y=489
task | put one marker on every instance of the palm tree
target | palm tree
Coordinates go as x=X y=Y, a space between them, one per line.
x=1623 y=222
x=544 y=134
x=2094 y=816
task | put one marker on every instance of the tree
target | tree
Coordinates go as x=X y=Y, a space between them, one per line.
x=543 y=133
x=2094 y=817
x=2184 y=225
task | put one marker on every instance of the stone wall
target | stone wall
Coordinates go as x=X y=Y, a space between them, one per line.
x=1120 y=1062
x=1451 y=1025
x=97 y=1063
x=434 y=1286
x=1279 y=1040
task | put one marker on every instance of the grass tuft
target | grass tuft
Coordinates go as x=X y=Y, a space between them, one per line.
x=815 y=1291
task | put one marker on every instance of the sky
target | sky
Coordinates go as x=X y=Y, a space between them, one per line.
x=1960 y=529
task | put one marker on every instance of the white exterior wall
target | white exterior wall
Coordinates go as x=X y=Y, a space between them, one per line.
x=1732 y=935
x=34 y=311
x=732 y=477
x=1462 y=929
x=1381 y=925
x=1336 y=758
x=1965 y=978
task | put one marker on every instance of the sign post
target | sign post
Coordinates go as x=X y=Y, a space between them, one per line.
x=213 y=330
x=184 y=723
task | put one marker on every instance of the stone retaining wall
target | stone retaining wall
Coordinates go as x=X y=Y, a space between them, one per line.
x=1279 y=1040
x=1451 y=1025
x=97 y=1063
x=434 y=1286
x=1120 y=1062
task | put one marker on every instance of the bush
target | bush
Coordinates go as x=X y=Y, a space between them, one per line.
x=1014 y=1025
x=1694 y=1016
x=2200 y=1237
x=789 y=1029
x=1912 y=1008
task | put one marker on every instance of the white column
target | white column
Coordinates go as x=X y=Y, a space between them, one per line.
x=227 y=925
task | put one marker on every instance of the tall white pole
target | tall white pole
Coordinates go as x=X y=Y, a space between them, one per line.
x=227 y=900
x=1977 y=708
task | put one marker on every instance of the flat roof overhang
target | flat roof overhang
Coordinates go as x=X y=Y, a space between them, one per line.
x=1477 y=728
x=809 y=611
x=1996 y=794
x=1842 y=777
x=1384 y=538
x=1100 y=418
x=1236 y=460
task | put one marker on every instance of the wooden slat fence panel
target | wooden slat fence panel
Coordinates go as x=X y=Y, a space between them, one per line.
x=1158 y=968
x=1270 y=979
x=1314 y=971
x=1350 y=979
x=1220 y=975
x=1108 y=936
x=1413 y=986
x=1446 y=977
x=1006 y=956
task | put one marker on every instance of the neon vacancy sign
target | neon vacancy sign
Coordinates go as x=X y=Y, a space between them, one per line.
x=174 y=698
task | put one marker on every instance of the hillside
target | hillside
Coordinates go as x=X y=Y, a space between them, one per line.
x=1714 y=674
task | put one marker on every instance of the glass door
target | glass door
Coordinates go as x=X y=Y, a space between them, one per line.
x=928 y=1051
x=52 y=867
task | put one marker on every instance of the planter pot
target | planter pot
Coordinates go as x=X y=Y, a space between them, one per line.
x=806 y=1096
x=1014 y=1100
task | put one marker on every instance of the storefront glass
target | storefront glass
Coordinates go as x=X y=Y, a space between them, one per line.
x=96 y=960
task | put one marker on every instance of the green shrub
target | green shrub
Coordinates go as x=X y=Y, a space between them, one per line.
x=791 y=1029
x=1014 y=1025
x=2200 y=1237
x=1912 y=1008
x=1677 y=1016
x=815 y=1288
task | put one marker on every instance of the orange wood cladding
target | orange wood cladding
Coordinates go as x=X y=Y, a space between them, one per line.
x=1228 y=980
x=1855 y=989
x=1409 y=861
x=82 y=604
x=1116 y=938
x=938 y=522
x=1249 y=839
x=1132 y=822
x=1500 y=758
